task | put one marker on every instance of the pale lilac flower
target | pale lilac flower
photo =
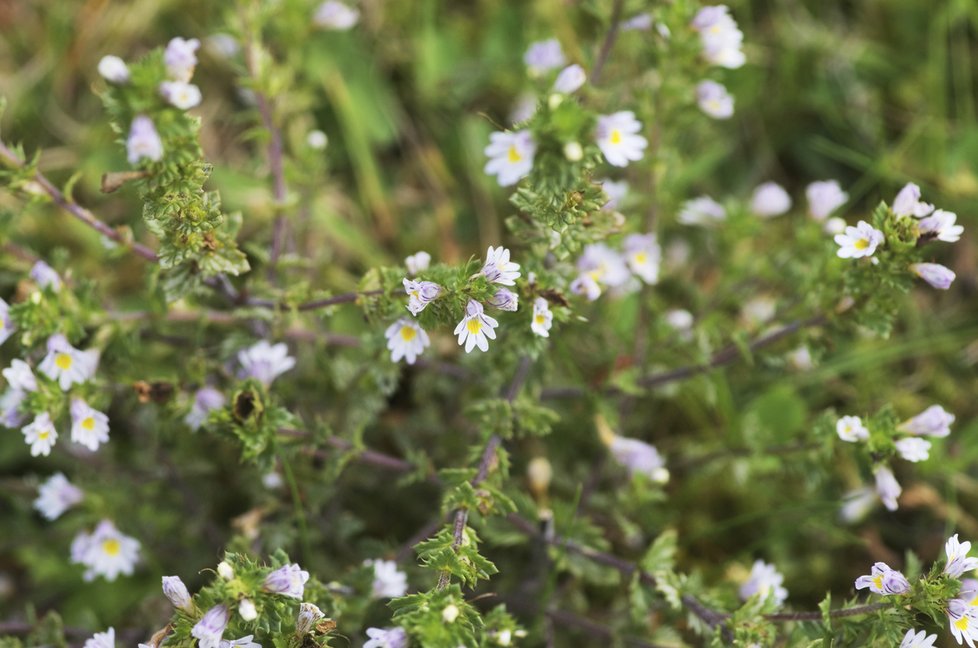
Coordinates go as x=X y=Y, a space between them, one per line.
x=701 y=211
x=907 y=202
x=618 y=138
x=105 y=552
x=918 y=640
x=265 y=362
x=616 y=192
x=498 y=268
x=7 y=327
x=386 y=638
x=523 y=109
x=933 y=421
x=309 y=615
x=851 y=429
x=643 y=256
x=45 y=276
x=289 y=580
x=206 y=400
x=963 y=620
x=884 y=580
x=389 y=581
x=542 y=317
x=406 y=339
x=335 y=15
x=887 y=487
x=180 y=94
x=769 y=200
x=40 y=435
x=935 y=274
x=603 y=265
x=113 y=69
x=89 y=427
x=417 y=262
x=859 y=241
x=714 y=100
x=476 y=328
x=824 y=197
x=958 y=561
x=942 y=225
x=639 y=457
x=639 y=22
x=835 y=225
x=180 y=58
x=143 y=141
x=420 y=294
x=586 y=286
x=210 y=629
x=857 y=504
x=243 y=642
x=20 y=377
x=102 y=640
x=510 y=156
x=66 y=364
x=10 y=414
x=913 y=448
x=57 y=495
x=505 y=300
x=721 y=38
x=177 y=593
x=764 y=581
x=543 y=56
x=570 y=79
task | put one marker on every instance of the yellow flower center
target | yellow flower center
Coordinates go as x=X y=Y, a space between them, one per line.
x=861 y=244
x=43 y=435
x=63 y=361
x=111 y=547
x=615 y=136
x=513 y=155
x=974 y=602
x=539 y=319
x=878 y=581
x=962 y=623
x=474 y=326
x=408 y=333
x=88 y=423
x=640 y=258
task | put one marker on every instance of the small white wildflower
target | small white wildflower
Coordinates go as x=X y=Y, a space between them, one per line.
x=918 y=639
x=859 y=241
x=618 y=138
x=857 y=504
x=543 y=56
x=206 y=400
x=406 y=339
x=934 y=421
x=20 y=377
x=851 y=429
x=824 y=197
x=335 y=15
x=510 y=156
x=45 y=276
x=113 y=69
x=498 y=268
x=265 y=362
x=887 y=487
x=586 y=286
x=89 y=427
x=102 y=640
x=143 y=141
x=309 y=615
x=942 y=225
x=386 y=638
x=883 y=580
x=40 y=435
x=10 y=414
x=835 y=225
x=523 y=109
x=722 y=39
x=476 y=328
x=56 y=495
x=389 y=581
x=505 y=300
x=963 y=620
x=105 y=552
x=176 y=591
x=542 y=317
x=936 y=275
x=420 y=294
x=210 y=629
x=714 y=100
x=701 y=211
x=603 y=265
x=770 y=200
x=913 y=448
x=765 y=581
x=180 y=58
x=570 y=79
x=616 y=192
x=180 y=94
x=907 y=202
x=417 y=262
x=643 y=256
x=289 y=580
x=958 y=561
x=639 y=457
x=243 y=642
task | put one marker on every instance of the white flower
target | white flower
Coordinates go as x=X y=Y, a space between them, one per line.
x=420 y=294
x=66 y=364
x=934 y=274
x=247 y=610
x=942 y=225
x=769 y=200
x=180 y=58
x=389 y=581
x=265 y=362
x=616 y=192
x=887 y=487
x=289 y=580
x=417 y=262
x=113 y=69
x=835 y=225
x=386 y=638
x=406 y=339
x=317 y=140
x=450 y=613
x=105 y=552
x=570 y=79
x=639 y=457
x=510 y=156
x=857 y=504
x=643 y=256
x=243 y=642
x=505 y=300
x=933 y=421
x=224 y=570
x=89 y=427
x=963 y=620
x=20 y=377
x=40 y=435
x=824 y=197
x=177 y=593
x=884 y=580
x=180 y=94
x=523 y=109
x=7 y=327
x=764 y=581
x=859 y=241
x=505 y=637
x=210 y=629
x=701 y=211
x=851 y=429
x=618 y=138
x=585 y=285
x=45 y=276
x=56 y=495
x=913 y=448
x=680 y=320
x=143 y=141
x=603 y=265
x=309 y=615
x=102 y=640
x=476 y=328
x=714 y=100
x=907 y=202
x=638 y=22
x=10 y=414
x=206 y=399
x=543 y=56
x=720 y=36
x=958 y=561
x=335 y=15
x=542 y=317
x=498 y=268
x=918 y=640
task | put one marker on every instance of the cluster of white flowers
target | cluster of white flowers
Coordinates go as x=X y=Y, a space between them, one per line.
x=721 y=37
x=765 y=581
x=264 y=362
x=105 y=552
x=389 y=581
x=600 y=267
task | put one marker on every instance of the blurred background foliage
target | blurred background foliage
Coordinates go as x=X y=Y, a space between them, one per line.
x=873 y=93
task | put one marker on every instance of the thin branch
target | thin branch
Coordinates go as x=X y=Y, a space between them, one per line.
x=609 y=41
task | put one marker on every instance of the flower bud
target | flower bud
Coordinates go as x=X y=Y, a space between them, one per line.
x=224 y=570
x=450 y=613
x=287 y=581
x=935 y=274
x=113 y=69
x=317 y=140
x=573 y=151
x=554 y=100
x=539 y=473
x=309 y=615
x=176 y=591
x=247 y=610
